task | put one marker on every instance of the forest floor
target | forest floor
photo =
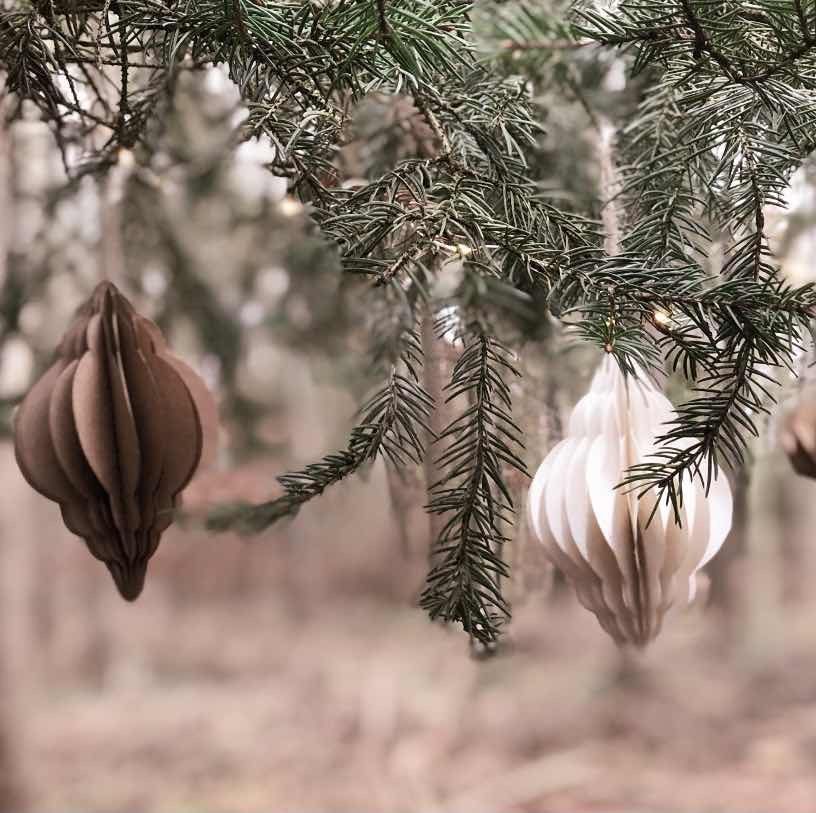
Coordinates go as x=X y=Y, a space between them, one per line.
x=296 y=675
x=359 y=706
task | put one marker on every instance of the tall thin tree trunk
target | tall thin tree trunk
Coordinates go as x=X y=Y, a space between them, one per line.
x=15 y=633
x=725 y=595
x=610 y=185
x=794 y=573
x=434 y=384
x=531 y=571
x=10 y=791
x=552 y=431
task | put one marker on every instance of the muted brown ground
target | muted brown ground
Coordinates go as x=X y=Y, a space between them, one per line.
x=294 y=674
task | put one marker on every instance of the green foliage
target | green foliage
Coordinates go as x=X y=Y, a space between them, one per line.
x=728 y=118
x=716 y=114
x=472 y=498
x=391 y=425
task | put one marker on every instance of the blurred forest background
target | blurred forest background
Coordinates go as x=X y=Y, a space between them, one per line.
x=293 y=671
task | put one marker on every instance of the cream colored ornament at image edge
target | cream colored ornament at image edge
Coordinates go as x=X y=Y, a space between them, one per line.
x=627 y=572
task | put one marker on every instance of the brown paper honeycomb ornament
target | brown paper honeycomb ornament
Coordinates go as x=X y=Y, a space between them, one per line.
x=113 y=431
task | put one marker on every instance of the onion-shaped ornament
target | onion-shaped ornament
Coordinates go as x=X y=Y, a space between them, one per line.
x=113 y=431
x=798 y=434
x=625 y=569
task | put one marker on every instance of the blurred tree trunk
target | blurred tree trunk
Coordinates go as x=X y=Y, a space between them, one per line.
x=786 y=507
x=552 y=431
x=10 y=791
x=530 y=569
x=11 y=586
x=434 y=384
x=33 y=171
x=7 y=789
x=724 y=592
x=11 y=797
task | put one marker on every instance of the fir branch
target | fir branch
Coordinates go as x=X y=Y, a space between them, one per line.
x=712 y=143
x=746 y=46
x=391 y=425
x=720 y=118
x=730 y=339
x=464 y=584
x=382 y=16
x=702 y=42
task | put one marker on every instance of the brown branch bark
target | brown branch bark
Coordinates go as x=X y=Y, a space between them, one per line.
x=72 y=6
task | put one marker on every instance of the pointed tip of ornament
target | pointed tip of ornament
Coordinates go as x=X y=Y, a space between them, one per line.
x=129 y=578
x=104 y=294
x=104 y=286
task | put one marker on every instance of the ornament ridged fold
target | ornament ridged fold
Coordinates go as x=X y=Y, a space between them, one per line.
x=625 y=569
x=113 y=431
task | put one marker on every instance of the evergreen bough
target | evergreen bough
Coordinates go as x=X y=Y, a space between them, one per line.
x=717 y=114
